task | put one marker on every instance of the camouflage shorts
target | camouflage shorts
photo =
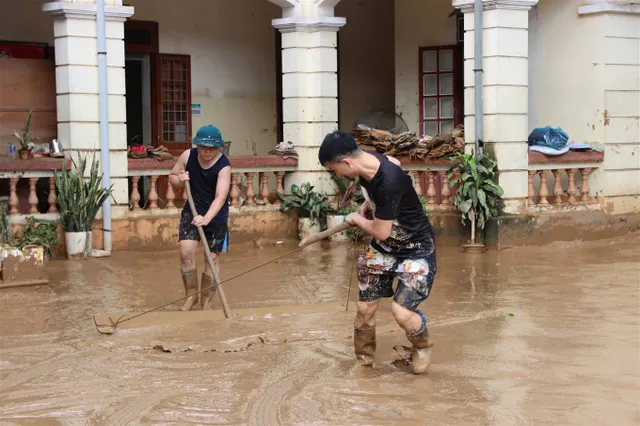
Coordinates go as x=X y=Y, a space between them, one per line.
x=377 y=270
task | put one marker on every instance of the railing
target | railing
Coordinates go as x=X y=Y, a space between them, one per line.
x=251 y=183
x=562 y=181
x=431 y=181
x=39 y=197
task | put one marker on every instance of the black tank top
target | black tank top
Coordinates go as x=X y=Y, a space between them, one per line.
x=203 y=186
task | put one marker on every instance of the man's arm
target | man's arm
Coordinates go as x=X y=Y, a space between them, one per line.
x=377 y=228
x=387 y=203
x=222 y=191
x=179 y=168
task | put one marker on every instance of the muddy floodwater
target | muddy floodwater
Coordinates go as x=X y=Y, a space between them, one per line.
x=525 y=336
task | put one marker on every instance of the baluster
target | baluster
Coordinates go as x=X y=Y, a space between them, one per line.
x=446 y=191
x=259 y=199
x=234 y=193
x=431 y=189
x=250 y=193
x=544 y=191
x=416 y=181
x=584 y=188
x=264 y=179
x=279 y=185
x=153 y=193
x=135 y=194
x=557 y=187
x=53 y=197
x=13 y=197
x=170 y=195
x=572 y=186
x=33 y=197
x=532 y=190
x=456 y=175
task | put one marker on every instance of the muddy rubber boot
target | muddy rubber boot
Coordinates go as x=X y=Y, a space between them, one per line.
x=364 y=341
x=208 y=295
x=190 y=281
x=421 y=351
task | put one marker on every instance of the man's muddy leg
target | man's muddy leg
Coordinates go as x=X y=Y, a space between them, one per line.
x=189 y=271
x=364 y=333
x=208 y=281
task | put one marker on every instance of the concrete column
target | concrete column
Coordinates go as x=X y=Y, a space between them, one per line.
x=76 y=57
x=309 y=83
x=505 y=91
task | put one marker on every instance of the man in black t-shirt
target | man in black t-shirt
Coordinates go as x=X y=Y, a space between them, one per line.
x=402 y=246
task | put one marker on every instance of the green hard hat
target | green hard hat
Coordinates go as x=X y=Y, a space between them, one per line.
x=209 y=136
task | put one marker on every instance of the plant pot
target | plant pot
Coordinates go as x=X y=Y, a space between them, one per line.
x=25 y=154
x=307 y=228
x=335 y=220
x=76 y=243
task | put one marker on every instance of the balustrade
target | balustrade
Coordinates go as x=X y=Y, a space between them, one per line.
x=434 y=186
x=571 y=192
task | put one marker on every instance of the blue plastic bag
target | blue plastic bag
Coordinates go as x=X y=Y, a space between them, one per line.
x=550 y=137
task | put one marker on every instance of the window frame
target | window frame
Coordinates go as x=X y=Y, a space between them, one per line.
x=174 y=147
x=457 y=92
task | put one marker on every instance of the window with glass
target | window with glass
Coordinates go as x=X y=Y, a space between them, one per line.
x=439 y=94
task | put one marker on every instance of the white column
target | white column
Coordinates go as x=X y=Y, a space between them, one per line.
x=76 y=57
x=309 y=83
x=505 y=91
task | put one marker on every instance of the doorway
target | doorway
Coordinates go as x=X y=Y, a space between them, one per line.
x=138 y=86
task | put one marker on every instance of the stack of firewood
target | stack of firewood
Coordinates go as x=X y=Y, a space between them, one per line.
x=409 y=145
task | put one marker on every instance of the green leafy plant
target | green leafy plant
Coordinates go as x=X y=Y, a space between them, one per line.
x=38 y=232
x=80 y=198
x=477 y=196
x=349 y=192
x=306 y=202
x=5 y=236
x=25 y=138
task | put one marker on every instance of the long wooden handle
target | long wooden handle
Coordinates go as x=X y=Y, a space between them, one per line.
x=212 y=266
x=324 y=234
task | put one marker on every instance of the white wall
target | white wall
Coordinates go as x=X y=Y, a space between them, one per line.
x=589 y=84
x=418 y=23
x=232 y=48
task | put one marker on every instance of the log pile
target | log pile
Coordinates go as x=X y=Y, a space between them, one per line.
x=409 y=145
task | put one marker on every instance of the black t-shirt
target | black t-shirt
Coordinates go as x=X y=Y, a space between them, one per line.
x=394 y=198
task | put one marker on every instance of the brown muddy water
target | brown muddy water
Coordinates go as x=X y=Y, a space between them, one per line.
x=545 y=335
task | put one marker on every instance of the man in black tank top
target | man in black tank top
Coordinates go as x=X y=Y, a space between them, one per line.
x=403 y=246
x=209 y=173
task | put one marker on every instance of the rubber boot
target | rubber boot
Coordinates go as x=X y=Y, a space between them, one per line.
x=208 y=295
x=421 y=351
x=190 y=280
x=364 y=341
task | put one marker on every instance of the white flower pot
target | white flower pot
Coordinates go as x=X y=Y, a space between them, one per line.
x=307 y=228
x=342 y=236
x=75 y=243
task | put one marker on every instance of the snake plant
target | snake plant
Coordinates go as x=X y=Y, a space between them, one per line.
x=80 y=198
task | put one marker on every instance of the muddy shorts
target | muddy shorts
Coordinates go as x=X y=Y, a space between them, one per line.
x=377 y=270
x=217 y=234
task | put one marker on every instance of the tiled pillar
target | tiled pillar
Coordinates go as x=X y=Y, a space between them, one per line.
x=505 y=91
x=309 y=83
x=76 y=57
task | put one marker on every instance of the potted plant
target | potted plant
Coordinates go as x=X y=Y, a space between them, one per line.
x=25 y=139
x=310 y=206
x=79 y=200
x=477 y=195
x=350 y=198
x=39 y=233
